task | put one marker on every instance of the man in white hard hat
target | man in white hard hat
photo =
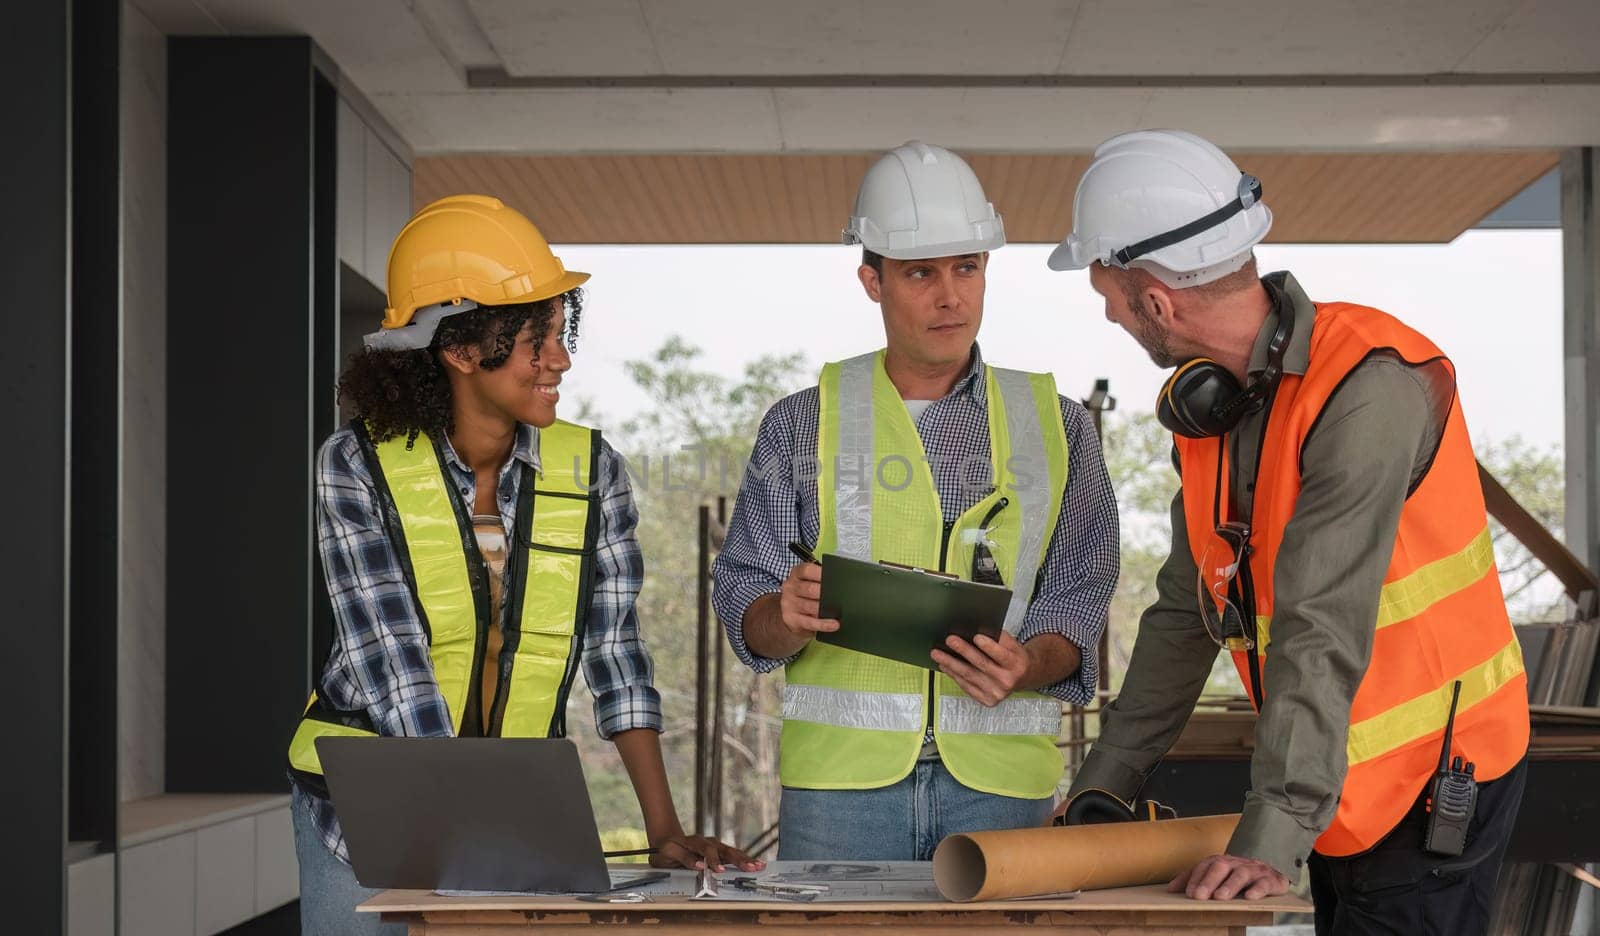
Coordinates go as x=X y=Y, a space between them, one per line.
x=922 y=455
x=1330 y=533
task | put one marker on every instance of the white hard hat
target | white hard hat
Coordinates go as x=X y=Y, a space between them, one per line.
x=1168 y=201
x=921 y=201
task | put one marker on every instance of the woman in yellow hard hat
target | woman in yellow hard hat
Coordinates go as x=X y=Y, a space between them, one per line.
x=477 y=549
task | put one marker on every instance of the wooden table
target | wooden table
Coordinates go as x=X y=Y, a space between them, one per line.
x=1123 y=912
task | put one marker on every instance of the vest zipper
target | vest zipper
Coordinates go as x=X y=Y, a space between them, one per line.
x=510 y=609
x=558 y=718
x=933 y=674
x=472 y=718
x=1247 y=587
x=1247 y=584
x=478 y=578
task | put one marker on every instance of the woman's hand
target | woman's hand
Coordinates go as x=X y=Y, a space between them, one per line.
x=697 y=851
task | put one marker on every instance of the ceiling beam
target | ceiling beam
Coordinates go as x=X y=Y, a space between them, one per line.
x=496 y=78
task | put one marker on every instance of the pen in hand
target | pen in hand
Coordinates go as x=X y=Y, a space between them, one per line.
x=799 y=549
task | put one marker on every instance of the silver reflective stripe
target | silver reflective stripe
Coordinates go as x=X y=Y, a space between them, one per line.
x=1032 y=492
x=1014 y=716
x=874 y=711
x=853 y=470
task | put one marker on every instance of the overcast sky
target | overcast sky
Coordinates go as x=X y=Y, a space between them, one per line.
x=1491 y=300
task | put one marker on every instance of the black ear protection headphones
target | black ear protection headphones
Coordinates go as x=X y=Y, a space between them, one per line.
x=1094 y=806
x=1203 y=400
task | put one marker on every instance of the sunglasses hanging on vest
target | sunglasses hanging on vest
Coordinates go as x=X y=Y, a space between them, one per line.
x=1203 y=400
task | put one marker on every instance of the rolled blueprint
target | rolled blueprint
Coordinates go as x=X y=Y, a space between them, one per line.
x=1055 y=860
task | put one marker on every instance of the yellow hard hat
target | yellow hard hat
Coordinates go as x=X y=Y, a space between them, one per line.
x=466 y=250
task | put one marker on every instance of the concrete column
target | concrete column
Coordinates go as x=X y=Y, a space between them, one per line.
x=35 y=376
x=1580 y=229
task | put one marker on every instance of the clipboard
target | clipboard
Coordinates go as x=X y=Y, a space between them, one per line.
x=901 y=613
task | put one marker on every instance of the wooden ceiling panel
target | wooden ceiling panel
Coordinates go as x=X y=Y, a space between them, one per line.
x=805 y=198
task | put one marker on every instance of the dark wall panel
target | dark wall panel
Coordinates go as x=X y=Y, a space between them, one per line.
x=96 y=391
x=329 y=280
x=242 y=237
x=34 y=252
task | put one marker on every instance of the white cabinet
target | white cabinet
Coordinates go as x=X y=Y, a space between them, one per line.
x=92 y=896
x=277 y=870
x=396 y=212
x=351 y=214
x=374 y=197
x=225 y=875
x=158 y=887
x=195 y=865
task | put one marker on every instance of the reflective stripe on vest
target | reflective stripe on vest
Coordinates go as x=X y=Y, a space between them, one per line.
x=1019 y=715
x=1031 y=501
x=435 y=546
x=1410 y=596
x=1423 y=715
x=872 y=711
x=557 y=575
x=549 y=571
x=888 y=711
x=854 y=721
x=1440 y=615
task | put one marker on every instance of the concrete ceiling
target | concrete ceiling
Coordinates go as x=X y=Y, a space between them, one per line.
x=1026 y=76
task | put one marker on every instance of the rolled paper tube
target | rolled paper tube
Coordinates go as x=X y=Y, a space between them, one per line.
x=1055 y=860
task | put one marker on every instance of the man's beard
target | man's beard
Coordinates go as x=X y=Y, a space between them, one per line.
x=1151 y=336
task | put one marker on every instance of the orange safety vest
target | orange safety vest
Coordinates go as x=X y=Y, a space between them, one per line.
x=1441 y=615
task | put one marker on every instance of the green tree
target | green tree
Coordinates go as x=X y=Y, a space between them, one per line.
x=1536 y=477
x=688 y=448
x=1138 y=458
x=1138 y=453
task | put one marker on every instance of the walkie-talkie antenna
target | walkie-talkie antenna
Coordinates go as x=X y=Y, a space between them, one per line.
x=1449 y=729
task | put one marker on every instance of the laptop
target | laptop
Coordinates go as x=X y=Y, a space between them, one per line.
x=469 y=814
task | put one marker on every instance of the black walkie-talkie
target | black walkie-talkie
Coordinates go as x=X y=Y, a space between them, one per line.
x=1452 y=796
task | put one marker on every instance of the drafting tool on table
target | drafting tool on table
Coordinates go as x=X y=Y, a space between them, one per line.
x=785 y=889
x=709 y=887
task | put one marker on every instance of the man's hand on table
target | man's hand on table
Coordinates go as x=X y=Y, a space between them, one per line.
x=1224 y=877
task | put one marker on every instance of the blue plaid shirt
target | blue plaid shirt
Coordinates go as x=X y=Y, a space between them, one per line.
x=379 y=662
x=1080 y=565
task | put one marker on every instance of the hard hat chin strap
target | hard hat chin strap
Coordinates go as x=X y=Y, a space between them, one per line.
x=1249 y=194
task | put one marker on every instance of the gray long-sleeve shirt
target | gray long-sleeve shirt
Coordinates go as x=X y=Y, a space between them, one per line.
x=1373 y=444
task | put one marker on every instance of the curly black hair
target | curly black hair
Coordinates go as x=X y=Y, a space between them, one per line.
x=407 y=392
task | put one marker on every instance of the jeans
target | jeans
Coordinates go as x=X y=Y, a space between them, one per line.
x=904 y=821
x=1397 y=888
x=328 y=889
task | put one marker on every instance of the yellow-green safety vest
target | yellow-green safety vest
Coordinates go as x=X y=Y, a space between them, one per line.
x=549 y=575
x=854 y=721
